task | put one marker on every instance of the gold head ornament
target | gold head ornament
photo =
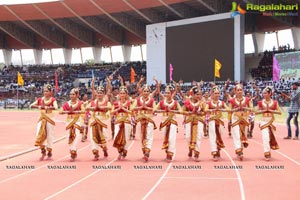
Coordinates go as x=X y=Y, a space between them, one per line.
x=268 y=89
x=48 y=87
x=76 y=91
x=169 y=88
x=124 y=89
x=239 y=86
x=215 y=89
x=195 y=90
x=146 y=87
x=100 y=88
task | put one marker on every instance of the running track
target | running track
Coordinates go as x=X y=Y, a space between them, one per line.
x=122 y=179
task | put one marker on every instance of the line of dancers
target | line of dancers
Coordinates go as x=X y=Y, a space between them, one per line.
x=200 y=118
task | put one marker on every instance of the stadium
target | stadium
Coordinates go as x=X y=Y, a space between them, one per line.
x=184 y=47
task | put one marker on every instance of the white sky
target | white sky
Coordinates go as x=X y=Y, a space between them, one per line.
x=284 y=38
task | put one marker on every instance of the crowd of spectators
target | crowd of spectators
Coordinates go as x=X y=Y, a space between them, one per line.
x=36 y=76
x=264 y=71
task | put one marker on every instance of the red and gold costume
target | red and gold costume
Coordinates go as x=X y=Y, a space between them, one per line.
x=98 y=124
x=169 y=125
x=74 y=124
x=194 y=123
x=45 y=126
x=146 y=125
x=86 y=119
x=215 y=125
x=266 y=125
x=122 y=127
x=242 y=108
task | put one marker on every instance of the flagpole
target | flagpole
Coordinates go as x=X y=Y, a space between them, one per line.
x=54 y=83
x=214 y=74
x=18 y=97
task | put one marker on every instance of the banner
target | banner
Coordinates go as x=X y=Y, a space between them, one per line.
x=56 y=81
x=132 y=75
x=171 y=72
x=276 y=69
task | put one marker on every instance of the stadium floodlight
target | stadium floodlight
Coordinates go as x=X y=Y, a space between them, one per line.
x=16 y=2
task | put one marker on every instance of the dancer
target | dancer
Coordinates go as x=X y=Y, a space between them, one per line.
x=169 y=107
x=98 y=125
x=121 y=112
x=194 y=121
x=228 y=96
x=144 y=106
x=268 y=107
x=74 y=109
x=241 y=107
x=87 y=116
x=45 y=126
x=216 y=125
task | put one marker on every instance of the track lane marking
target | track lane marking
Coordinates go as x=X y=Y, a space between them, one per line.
x=197 y=178
x=158 y=182
x=239 y=178
x=27 y=151
x=83 y=179
x=277 y=151
x=40 y=167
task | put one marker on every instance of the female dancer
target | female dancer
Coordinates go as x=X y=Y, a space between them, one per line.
x=215 y=125
x=86 y=118
x=144 y=106
x=122 y=113
x=73 y=108
x=98 y=131
x=268 y=107
x=45 y=126
x=241 y=107
x=169 y=107
x=194 y=121
x=227 y=97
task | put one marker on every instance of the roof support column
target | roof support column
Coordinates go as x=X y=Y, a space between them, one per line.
x=258 y=41
x=7 y=54
x=21 y=57
x=38 y=55
x=97 y=51
x=67 y=55
x=111 y=56
x=296 y=37
x=126 y=49
x=142 y=56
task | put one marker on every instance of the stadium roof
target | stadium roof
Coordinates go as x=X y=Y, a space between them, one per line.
x=96 y=23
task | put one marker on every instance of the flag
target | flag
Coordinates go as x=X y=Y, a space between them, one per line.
x=218 y=66
x=276 y=69
x=132 y=75
x=93 y=74
x=56 y=81
x=171 y=72
x=20 y=79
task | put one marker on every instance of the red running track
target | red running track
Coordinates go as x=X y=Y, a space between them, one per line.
x=128 y=179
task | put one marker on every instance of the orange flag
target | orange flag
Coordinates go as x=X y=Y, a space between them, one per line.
x=132 y=75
